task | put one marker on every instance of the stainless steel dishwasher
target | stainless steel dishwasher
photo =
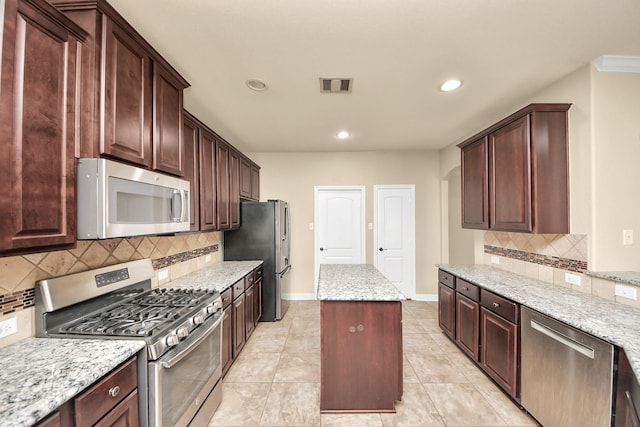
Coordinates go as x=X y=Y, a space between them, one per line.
x=566 y=374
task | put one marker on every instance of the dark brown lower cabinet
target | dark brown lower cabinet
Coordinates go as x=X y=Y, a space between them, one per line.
x=238 y=315
x=227 y=340
x=467 y=326
x=257 y=300
x=627 y=412
x=447 y=310
x=249 y=322
x=361 y=356
x=499 y=357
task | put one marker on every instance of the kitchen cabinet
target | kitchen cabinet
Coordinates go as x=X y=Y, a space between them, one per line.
x=249 y=322
x=499 y=330
x=238 y=316
x=447 y=304
x=515 y=173
x=468 y=318
x=249 y=180
x=227 y=331
x=191 y=136
x=234 y=188
x=208 y=177
x=223 y=173
x=257 y=297
x=627 y=399
x=132 y=97
x=39 y=104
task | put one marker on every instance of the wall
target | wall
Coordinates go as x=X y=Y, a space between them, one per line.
x=179 y=254
x=292 y=177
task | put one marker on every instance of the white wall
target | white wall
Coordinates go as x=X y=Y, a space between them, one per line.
x=292 y=177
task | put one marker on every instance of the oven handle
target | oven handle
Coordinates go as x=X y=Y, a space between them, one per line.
x=168 y=364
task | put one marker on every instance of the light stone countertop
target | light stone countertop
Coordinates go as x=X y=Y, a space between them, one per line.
x=39 y=374
x=355 y=282
x=626 y=277
x=219 y=276
x=613 y=322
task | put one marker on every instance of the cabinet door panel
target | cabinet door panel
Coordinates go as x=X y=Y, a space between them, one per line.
x=208 y=220
x=249 y=323
x=257 y=302
x=227 y=340
x=234 y=189
x=475 y=186
x=167 y=138
x=127 y=98
x=37 y=122
x=238 y=325
x=467 y=326
x=499 y=356
x=245 y=179
x=222 y=195
x=510 y=174
x=191 y=135
x=447 y=310
x=255 y=183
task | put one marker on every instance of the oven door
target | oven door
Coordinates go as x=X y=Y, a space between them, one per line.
x=182 y=381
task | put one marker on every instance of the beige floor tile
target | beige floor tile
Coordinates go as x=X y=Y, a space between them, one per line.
x=430 y=325
x=415 y=409
x=412 y=326
x=436 y=368
x=408 y=373
x=413 y=343
x=462 y=405
x=506 y=409
x=298 y=367
x=292 y=404
x=242 y=404
x=445 y=344
x=302 y=343
x=305 y=326
x=350 y=420
x=253 y=368
x=473 y=372
x=268 y=328
x=265 y=343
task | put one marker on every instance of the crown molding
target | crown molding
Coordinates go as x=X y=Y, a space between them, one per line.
x=617 y=64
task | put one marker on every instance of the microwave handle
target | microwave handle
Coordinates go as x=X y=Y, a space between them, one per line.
x=176 y=215
x=184 y=212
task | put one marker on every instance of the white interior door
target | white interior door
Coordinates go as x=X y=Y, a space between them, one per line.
x=339 y=229
x=394 y=235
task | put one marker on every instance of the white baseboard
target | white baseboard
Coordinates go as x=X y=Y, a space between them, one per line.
x=426 y=297
x=299 y=297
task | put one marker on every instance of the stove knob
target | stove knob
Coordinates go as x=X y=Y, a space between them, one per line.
x=182 y=331
x=172 y=340
x=211 y=308
x=198 y=319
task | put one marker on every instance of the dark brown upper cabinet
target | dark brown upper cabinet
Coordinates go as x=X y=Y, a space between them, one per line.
x=191 y=137
x=222 y=172
x=38 y=110
x=131 y=96
x=249 y=180
x=515 y=174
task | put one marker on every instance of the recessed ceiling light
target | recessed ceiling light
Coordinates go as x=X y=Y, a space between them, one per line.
x=343 y=134
x=450 y=85
x=257 y=85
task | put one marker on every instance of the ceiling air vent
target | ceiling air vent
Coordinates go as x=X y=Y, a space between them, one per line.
x=335 y=85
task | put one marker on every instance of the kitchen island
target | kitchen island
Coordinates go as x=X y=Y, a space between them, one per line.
x=361 y=340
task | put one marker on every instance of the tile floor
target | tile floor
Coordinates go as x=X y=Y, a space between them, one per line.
x=276 y=379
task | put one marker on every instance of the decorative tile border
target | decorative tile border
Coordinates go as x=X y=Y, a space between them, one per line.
x=183 y=256
x=15 y=301
x=550 y=261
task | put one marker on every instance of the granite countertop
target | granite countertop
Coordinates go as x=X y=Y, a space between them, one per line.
x=219 y=276
x=613 y=322
x=355 y=282
x=40 y=374
x=626 y=277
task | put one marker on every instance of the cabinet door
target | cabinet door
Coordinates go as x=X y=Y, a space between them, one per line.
x=510 y=177
x=208 y=220
x=124 y=415
x=467 y=325
x=447 y=310
x=191 y=135
x=222 y=173
x=227 y=340
x=245 y=178
x=475 y=185
x=37 y=122
x=257 y=301
x=627 y=394
x=249 y=324
x=255 y=183
x=238 y=325
x=168 y=149
x=127 y=97
x=499 y=346
x=234 y=189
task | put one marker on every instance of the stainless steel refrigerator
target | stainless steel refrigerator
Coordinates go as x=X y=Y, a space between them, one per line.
x=264 y=235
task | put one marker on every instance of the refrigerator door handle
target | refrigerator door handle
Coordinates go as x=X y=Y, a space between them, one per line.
x=285 y=271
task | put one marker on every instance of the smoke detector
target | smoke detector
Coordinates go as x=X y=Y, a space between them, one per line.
x=335 y=85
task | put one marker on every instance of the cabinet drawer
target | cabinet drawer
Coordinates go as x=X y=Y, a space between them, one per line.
x=227 y=297
x=446 y=279
x=93 y=404
x=238 y=288
x=501 y=306
x=250 y=278
x=467 y=289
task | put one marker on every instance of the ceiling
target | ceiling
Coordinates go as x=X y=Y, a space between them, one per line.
x=397 y=51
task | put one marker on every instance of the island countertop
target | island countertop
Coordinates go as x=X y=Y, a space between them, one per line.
x=355 y=282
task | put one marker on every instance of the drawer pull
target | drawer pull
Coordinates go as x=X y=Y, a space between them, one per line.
x=465 y=289
x=114 y=391
x=496 y=304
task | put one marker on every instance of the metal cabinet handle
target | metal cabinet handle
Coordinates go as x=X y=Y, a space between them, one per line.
x=465 y=289
x=496 y=304
x=114 y=391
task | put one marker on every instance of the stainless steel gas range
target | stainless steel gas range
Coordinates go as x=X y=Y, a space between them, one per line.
x=179 y=373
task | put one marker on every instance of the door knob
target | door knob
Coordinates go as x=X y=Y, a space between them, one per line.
x=380 y=249
x=322 y=249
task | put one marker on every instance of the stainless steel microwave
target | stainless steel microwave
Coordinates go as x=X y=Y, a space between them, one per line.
x=119 y=200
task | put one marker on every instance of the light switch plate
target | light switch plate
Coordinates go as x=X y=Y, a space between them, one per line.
x=8 y=327
x=207 y=258
x=572 y=279
x=626 y=291
x=163 y=274
x=627 y=237
x=495 y=260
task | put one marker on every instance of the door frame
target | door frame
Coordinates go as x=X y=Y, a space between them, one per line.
x=316 y=191
x=412 y=225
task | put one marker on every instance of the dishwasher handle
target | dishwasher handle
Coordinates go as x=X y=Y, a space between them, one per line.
x=574 y=345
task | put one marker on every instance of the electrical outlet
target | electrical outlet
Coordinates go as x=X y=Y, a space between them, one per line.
x=627 y=237
x=8 y=327
x=207 y=258
x=572 y=279
x=626 y=291
x=163 y=274
x=370 y=226
x=495 y=260
x=310 y=226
